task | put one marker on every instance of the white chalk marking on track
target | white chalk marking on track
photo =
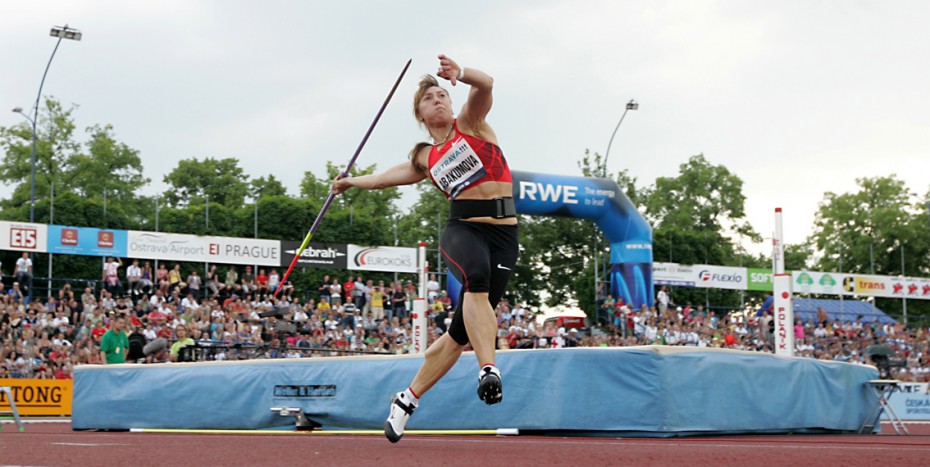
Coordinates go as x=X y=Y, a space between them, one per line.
x=91 y=444
x=697 y=444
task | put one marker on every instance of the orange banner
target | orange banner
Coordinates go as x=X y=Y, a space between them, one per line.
x=38 y=396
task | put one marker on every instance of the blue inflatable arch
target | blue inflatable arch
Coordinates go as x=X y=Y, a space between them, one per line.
x=602 y=201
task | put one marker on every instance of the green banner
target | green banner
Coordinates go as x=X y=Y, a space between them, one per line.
x=759 y=279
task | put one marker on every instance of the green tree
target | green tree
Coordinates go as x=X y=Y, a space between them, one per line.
x=63 y=165
x=195 y=219
x=556 y=256
x=798 y=256
x=269 y=186
x=315 y=188
x=703 y=196
x=282 y=217
x=362 y=217
x=222 y=180
x=694 y=217
x=122 y=166
x=55 y=149
x=869 y=227
x=866 y=231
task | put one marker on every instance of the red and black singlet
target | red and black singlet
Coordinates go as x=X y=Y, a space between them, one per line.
x=466 y=161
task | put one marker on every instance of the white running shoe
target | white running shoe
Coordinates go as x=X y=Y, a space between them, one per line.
x=490 y=387
x=401 y=409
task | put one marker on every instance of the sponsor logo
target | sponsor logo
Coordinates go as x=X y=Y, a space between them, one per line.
x=782 y=318
x=707 y=276
x=23 y=238
x=911 y=388
x=670 y=268
x=34 y=396
x=761 y=278
x=548 y=193
x=311 y=252
x=849 y=284
x=305 y=391
x=241 y=250
x=159 y=244
x=37 y=396
x=318 y=256
x=417 y=333
x=674 y=283
x=104 y=239
x=500 y=266
x=69 y=237
x=805 y=279
x=868 y=285
x=379 y=257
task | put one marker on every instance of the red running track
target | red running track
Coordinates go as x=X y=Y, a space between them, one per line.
x=55 y=444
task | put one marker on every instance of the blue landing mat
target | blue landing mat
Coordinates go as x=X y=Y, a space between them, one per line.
x=646 y=391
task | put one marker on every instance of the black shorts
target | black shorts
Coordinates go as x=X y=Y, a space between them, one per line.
x=482 y=257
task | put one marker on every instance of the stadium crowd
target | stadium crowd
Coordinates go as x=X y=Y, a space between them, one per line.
x=150 y=316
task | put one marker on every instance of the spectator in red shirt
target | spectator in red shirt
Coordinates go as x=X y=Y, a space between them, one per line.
x=157 y=318
x=261 y=281
x=513 y=339
x=64 y=372
x=233 y=305
x=342 y=342
x=347 y=288
x=729 y=340
x=98 y=331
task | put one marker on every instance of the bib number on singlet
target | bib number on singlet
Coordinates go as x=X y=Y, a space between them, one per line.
x=458 y=168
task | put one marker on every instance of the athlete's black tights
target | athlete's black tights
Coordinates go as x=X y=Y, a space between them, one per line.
x=482 y=257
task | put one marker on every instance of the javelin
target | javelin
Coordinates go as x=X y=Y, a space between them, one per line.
x=329 y=199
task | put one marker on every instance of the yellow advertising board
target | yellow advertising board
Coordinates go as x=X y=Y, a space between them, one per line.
x=38 y=396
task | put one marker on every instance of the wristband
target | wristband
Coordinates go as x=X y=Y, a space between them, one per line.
x=461 y=73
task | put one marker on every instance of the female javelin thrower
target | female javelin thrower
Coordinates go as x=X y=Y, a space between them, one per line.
x=480 y=240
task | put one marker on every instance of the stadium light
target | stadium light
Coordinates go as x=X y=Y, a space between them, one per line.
x=64 y=32
x=61 y=32
x=632 y=105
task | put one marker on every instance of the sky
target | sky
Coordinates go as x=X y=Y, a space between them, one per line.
x=797 y=98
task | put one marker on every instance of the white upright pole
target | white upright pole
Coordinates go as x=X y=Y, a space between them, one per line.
x=784 y=310
x=420 y=319
x=422 y=265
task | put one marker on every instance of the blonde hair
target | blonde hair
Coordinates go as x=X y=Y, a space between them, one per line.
x=426 y=82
